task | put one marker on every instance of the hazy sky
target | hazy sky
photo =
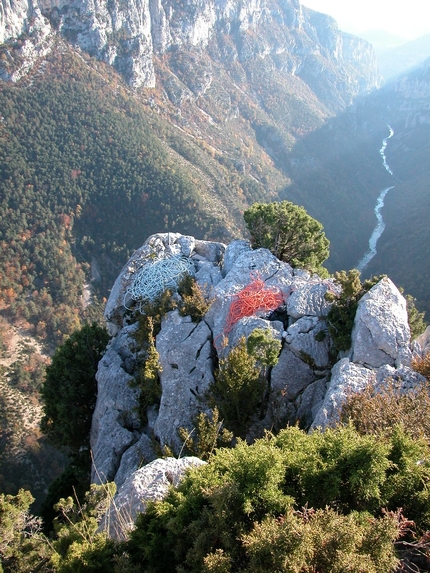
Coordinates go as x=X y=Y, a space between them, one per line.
x=406 y=18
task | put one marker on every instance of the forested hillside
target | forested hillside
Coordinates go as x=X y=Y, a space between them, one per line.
x=85 y=173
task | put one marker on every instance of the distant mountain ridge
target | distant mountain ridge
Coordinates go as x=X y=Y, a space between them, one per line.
x=382 y=40
x=395 y=61
x=131 y=36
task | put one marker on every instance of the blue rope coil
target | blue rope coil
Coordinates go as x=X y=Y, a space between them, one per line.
x=154 y=278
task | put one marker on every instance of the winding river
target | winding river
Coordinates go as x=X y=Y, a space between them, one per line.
x=380 y=226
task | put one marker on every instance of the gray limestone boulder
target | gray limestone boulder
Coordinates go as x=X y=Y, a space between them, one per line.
x=137 y=455
x=232 y=252
x=210 y=251
x=406 y=378
x=310 y=401
x=308 y=297
x=207 y=276
x=115 y=419
x=245 y=326
x=241 y=266
x=422 y=343
x=149 y=483
x=346 y=378
x=381 y=333
x=204 y=254
x=308 y=338
x=288 y=380
x=186 y=351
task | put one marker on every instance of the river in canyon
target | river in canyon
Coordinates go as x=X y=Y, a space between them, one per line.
x=380 y=225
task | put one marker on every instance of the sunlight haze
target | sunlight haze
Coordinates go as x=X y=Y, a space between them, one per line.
x=408 y=19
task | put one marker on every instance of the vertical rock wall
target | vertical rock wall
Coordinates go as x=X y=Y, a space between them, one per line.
x=129 y=35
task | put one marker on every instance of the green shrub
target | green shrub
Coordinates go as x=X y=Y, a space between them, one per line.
x=415 y=317
x=242 y=511
x=264 y=347
x=79 y=545
x=147 y=377
x=193 y=301
x=149 y=319
x=322 y=540
x=22 y=548
x=289 y=232
x=156 y=310
x=211 y=509
x=147 y=372
x=207 y=435
x=238 y=388
x=69 y=391
x=339 y=468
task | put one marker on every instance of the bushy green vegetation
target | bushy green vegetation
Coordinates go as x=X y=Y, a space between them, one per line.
x=241 y=511
x=207 y=435
x=325 y=501
x=69 y=396
x=22 y=548
x=78 y=545
x=415 y=317
x=238 y=388
x=289 y=233
x=193 y=301
x=147 y=379
x=69 y=391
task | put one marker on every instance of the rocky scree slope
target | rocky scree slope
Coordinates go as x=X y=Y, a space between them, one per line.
x=304 y=385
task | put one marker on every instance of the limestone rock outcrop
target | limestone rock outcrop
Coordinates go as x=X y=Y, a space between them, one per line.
x=304 y=385
x=381 y=333
x=132 y=35
x=186 y=359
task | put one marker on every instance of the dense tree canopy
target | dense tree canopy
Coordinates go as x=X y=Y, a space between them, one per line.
x=70 y=389
x=289 y=232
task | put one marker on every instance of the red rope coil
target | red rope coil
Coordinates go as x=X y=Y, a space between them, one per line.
x=255 y=297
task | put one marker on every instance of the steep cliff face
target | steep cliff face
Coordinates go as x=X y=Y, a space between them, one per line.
x=133 y=35
x=412 y=92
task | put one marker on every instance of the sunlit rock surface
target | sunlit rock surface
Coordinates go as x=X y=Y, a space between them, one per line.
x=304 y=386
x=131 y=36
